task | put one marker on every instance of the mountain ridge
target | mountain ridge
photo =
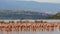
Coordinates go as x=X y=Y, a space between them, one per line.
x=29 y=5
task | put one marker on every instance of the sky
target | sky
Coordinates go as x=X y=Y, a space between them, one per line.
x=49 y=1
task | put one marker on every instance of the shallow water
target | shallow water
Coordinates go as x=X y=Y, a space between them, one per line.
x=48 y=20
x=30 y=32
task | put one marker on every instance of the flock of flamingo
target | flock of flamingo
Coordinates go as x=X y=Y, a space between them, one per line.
x=27 y=26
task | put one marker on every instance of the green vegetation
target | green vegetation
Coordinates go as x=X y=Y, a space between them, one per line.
x=56 y=16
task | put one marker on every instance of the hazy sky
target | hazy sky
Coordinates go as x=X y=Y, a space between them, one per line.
x=50 y=1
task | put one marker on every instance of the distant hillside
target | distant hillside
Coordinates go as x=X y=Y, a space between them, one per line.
x=56 y=16
x=21 y=14
x=28 y=5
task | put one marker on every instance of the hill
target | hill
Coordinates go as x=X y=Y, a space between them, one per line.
x=56 y=16
x=28 y=5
